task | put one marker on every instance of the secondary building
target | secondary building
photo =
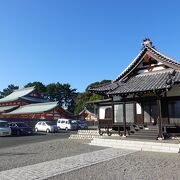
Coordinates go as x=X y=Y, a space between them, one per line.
x=27 y=104
x=146 y=95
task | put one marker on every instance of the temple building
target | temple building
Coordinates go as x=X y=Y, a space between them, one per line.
x=88 y=115
x=26 y=104
x=145 y=96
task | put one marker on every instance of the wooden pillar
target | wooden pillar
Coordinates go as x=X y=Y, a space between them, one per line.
x=53 y=114
x=160 y=132
x=99 y=128
x=124 y=117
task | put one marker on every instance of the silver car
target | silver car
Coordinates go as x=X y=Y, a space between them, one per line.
x=5 y=130
x=46 y=126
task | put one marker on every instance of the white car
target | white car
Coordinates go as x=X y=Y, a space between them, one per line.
x=67 y=124
x=5 y=130
x=46 y=126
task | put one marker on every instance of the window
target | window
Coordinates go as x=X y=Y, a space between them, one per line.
x=118 y=113
x=174 y=111
x=130 y=112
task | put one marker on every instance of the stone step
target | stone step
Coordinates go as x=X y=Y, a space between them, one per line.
x=137 y=145
x=88 y=131
x=73 y=136
x=89 y=136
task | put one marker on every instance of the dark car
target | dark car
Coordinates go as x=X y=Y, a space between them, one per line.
x=81 y=124
x=20 y=128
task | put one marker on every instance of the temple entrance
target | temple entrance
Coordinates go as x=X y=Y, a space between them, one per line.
x=150 y=113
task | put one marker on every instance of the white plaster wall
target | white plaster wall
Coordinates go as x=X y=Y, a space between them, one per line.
x=102 y=111
x=138 y=108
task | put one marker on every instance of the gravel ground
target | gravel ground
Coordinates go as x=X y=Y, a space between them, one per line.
x=44 y=151
x=137 y=166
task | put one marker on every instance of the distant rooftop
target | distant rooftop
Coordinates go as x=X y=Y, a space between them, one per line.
x=34 y=108
x=17 y=94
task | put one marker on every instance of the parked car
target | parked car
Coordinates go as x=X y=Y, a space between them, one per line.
x=46 y=126
x=5 y=130
x=20 y=128
x=66 y=124
x=81 y=124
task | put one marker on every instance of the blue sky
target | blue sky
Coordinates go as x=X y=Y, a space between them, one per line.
x=81 y=41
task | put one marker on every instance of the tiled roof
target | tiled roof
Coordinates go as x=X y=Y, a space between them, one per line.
x=146 y=82
x=88 y=111
x=17 y=94
x=34 y=108
x=129 y=82
x=104 y=88
x=6 y=108
x=34 y=99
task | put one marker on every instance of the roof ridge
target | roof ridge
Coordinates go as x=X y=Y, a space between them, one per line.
x=22 y=89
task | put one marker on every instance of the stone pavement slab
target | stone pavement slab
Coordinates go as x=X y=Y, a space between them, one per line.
x=60 y=166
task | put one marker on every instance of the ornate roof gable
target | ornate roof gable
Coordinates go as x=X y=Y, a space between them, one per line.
x=147 y=59
x=149 y=71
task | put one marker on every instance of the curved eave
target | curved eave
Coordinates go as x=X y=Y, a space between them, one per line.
x=100 y=92
x=16 y=94
x=132 y=65
x=154 y=53
x=136 y=92
x=28 y=109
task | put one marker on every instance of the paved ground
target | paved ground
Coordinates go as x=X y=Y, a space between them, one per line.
x=28 y=154
x=136 y=166
x=61 y=166
x=39 y=137
x=99 y=164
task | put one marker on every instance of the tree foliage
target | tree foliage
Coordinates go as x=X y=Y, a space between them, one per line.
x=39 y=86
x=68 y=97
x=87 y=96
x=62 y=93
x=8 y=90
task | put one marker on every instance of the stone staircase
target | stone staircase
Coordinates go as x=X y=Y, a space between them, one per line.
x=88 y=134
x=150 y=132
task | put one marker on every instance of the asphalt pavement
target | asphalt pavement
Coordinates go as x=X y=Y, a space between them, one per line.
x=36 y=137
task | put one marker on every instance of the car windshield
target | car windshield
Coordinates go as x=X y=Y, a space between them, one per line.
x=3 y=124
x=21 y=125
x=51 y=123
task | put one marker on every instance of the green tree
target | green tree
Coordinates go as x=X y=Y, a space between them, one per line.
x=39 y=86
x=62 y=93
x=8 y=90
x=82 y=98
